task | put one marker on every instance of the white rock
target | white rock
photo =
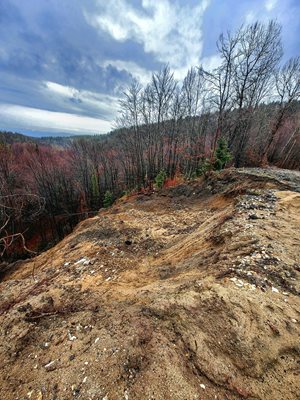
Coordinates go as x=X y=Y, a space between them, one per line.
x=81 y=261
x=51 y=366
x=71 y=337
x=84 y=379
x=96 y=340
x=275 y=290
x=202 y=386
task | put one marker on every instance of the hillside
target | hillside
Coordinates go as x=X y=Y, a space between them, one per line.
x=14 y=137
x=189 y=293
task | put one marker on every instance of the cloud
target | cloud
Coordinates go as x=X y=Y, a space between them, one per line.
x=20 y=117
x=169 y=30
x=211 y=62
x=130 y=67
x=82 y=101
x=76 y=60
x=270 y=4
x=251 y=17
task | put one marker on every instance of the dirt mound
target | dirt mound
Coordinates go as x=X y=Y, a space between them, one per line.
x=190 y=293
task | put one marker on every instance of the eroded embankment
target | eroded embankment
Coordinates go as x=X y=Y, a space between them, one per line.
x=192 y=293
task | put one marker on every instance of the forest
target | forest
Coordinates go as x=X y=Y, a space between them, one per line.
x=244 y=113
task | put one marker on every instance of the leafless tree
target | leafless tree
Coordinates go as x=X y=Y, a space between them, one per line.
x=195 y=98
x=257 y=54
x=130 y=117
x=13 y=209
x=163 y=87
x=220 y=81
x=287 y=84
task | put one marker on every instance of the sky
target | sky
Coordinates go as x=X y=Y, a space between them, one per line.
x=65 y=63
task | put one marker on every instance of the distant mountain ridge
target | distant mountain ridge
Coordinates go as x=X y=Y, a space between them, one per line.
x=14 y=137
x=8 y=137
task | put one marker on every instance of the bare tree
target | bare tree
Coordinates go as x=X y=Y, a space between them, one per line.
x=163 y=88
x=130 y=117
x=287 y=84
x=220 y=81
x=194 y=95
x=14 y=209
x=257 y=54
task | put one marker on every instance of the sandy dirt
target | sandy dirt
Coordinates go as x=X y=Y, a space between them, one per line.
x=189 y=293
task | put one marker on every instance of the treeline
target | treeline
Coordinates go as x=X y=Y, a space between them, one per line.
x=243 y=113
x=250 y=101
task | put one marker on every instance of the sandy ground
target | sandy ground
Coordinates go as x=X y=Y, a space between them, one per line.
x=190 y=293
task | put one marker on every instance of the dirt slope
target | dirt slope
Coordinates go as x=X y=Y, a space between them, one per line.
x=192 y=293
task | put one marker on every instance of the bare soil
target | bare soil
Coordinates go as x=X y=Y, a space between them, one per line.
x=189 y=293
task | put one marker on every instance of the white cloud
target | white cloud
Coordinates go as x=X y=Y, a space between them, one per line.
x=83 y=100
x=37 y=119
x=250 y=17
x=168 y=30
x=211 y=62
x=270 y=4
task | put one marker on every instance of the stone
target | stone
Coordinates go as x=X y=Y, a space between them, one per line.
x=51 y=366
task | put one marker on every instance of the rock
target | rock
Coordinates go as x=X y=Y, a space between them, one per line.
x=51 y=366
x=25 y=308
x=275 y=290
x=39 y=396
x=253 y=216
x=71 y=337
x=75 y=390
x=82 y=261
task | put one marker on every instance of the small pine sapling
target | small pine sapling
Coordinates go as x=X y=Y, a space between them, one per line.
x=160 y=179
x=222 y=155
x=108 y=199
